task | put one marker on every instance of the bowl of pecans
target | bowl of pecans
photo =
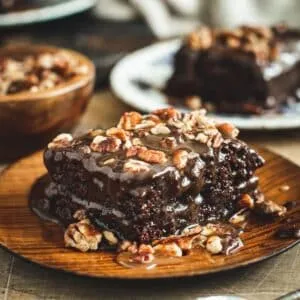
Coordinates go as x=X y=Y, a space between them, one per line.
x=43 y=90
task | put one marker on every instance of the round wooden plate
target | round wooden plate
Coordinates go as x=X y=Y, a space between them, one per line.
x=26 y=235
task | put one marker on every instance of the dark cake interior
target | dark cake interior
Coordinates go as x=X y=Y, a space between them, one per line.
x=248 y=70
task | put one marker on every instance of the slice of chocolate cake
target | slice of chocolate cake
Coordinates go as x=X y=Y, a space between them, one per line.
x=247 y=70
x=152 y=178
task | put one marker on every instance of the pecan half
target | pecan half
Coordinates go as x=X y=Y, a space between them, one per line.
x=170 y=249
x=143 y=248
x=155 y=119
x=160 y=129
x=118 y=133
x=82 y=236
x=168 y=143
x=200 y=39
x=152 y=156
x=129 y=120
x=214 y=244
x=105 y=144
x=228 y=130
x=202 y=138
x=61 y=141
x=180 y=158
x=133 y=151
x=239 y=217
x=136 y=166
x=167 y=113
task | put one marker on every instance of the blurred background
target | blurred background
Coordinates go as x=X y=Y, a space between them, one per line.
x=105 y=30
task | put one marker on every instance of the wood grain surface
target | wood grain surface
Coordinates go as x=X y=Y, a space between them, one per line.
x=24 y=234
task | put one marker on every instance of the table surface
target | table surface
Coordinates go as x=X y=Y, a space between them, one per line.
x=265 y=280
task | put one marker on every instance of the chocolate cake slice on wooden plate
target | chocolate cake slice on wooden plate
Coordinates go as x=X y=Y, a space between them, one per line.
x=163 y=182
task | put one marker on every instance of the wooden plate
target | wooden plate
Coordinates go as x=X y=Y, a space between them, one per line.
x=24 y=234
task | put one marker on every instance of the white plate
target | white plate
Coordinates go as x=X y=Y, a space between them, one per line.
x=153 y=65
x=49 y=12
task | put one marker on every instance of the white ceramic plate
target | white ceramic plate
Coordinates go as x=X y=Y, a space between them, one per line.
x=153 y=65
x=57 y=10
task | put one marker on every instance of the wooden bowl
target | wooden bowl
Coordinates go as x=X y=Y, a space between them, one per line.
x=29 y=116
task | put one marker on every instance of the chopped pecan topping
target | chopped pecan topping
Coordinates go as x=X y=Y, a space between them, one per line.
x=202 y=138
x=82 y=236
x=153 y=118
x=85 y=149
x=129 y=120
x=127 y=144
x=136 y=166
x=133 y=151
x=152 y=156
x=208 y=230
x=167 y=113
x=214 y=244
x=239 y=217
x=146 y=249
x=191 y=229
x=145 y=124
x=170 y=249
x=133 y=248
x=259 y=41
x=180 y=159
x=124 y=245
x=217 y=140
x=160 y=129
x=105 y=144
x=187 y=242
x=168 y=143
x=95 y=132
x=228 y=130
x=259 y=31
x=136 y=142
x=202 y=38
x=61 y=141
x=118 y=133
x=215 y=238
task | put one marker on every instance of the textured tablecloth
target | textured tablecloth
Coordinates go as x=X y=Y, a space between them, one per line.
x=265 y=280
